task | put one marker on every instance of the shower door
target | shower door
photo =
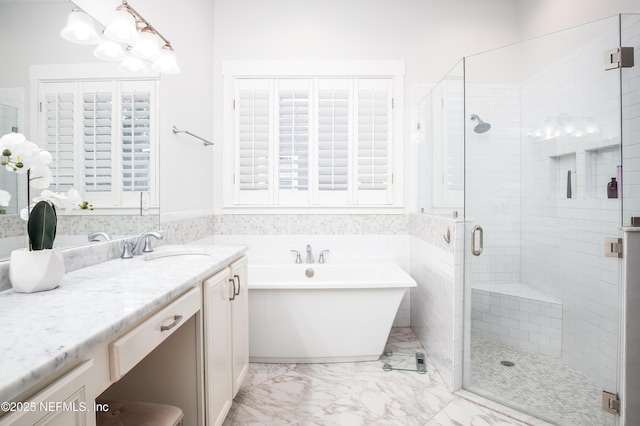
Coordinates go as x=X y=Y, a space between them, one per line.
x=542 y=152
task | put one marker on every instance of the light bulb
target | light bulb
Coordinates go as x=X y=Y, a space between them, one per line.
x=166 y=62
x=591 y=126
x=109 y=50
x=132 y=65
x=80 y=28
x=122 y=27
x=147 y=46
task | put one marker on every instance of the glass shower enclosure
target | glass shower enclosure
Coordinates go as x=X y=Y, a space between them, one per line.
x=548 y=154
x=8 y=181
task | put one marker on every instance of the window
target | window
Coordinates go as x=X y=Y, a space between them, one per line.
x=102 y=138
x=320 y=140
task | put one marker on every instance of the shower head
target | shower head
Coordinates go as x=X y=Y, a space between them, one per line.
x=482 y=126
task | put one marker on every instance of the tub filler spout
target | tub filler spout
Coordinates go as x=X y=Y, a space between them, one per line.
x=309 y=254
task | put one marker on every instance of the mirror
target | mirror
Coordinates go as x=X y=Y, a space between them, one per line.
x=34 y=30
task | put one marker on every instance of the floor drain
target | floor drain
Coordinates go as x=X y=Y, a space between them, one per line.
x=507 y=363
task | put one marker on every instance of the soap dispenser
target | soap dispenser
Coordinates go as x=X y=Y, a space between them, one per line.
x=612 y=188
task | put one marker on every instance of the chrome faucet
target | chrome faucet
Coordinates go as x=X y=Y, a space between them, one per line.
x=298 y=258
x=309 y=254
x=96 y=236
x=321 y=257
x=143 y=240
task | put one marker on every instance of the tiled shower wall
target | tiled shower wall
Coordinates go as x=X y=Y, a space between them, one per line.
x=631 y=120
x=492 y=198
x=436 y=303
x=563 y=238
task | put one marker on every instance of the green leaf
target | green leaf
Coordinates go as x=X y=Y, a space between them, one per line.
x=42 y=226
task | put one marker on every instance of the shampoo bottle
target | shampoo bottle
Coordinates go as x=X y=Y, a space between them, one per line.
x=612 y=189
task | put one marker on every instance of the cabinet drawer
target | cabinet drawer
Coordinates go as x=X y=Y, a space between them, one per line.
x=131 y=348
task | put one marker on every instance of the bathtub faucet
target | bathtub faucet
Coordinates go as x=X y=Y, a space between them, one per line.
x=309 y=254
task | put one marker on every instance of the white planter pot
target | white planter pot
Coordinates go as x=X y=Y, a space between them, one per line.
x=38 y=270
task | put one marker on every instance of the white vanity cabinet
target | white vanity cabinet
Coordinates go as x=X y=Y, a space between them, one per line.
x=65 y=402
x=240 y=322
x=218 y=290
x=226 y=336
x=189 y=351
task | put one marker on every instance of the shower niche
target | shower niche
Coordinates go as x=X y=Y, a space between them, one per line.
x=601 y=165
x=564 y=176
x=585 y=174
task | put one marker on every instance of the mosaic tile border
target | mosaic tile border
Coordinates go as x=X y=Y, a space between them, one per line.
x=313 y=224
x=433 y=230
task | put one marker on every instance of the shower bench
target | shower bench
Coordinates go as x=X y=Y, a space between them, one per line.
x=517 y=315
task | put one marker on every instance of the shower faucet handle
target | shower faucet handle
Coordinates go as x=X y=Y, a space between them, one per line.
x=298 y=258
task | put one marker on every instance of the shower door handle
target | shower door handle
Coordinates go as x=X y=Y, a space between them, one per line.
x=476 y=230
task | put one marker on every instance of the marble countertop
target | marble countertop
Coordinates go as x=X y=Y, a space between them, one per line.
x=43 y=332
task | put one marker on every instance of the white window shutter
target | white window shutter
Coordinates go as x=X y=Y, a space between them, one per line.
x=97 y=156
x=136 y=137
x=334 y=140
x=313 y=141
x=99 y=134
x=374 y=112
x=253 y=141
x=293 y=127
x=58 y=108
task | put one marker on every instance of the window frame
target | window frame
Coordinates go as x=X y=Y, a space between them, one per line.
x=391 y=70
x=40 y=75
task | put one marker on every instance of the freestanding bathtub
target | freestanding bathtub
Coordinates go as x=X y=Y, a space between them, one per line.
x=340 y=313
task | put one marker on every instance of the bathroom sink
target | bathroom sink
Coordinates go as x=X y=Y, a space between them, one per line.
x=178 y=251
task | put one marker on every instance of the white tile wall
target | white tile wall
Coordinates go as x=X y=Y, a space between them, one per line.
x=493 y=182
x=516 y=191
x=562 y=239
x=436 y=303
x=519 y=321
x=631 y=121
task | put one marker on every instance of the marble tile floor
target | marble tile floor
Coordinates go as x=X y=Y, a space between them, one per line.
x=359 y=393
x=544 y=384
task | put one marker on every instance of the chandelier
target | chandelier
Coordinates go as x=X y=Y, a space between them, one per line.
x=129 y=39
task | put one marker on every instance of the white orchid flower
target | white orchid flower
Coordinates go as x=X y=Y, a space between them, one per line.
x=5 y=197
x=67 y=201
x=41 y=176
x=23 y=155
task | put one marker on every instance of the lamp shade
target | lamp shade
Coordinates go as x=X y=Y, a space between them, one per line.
x=166 y=62
x=132 y=65
x=122 y=27
x=147 y=46
x=109 y=50
x=80 y=28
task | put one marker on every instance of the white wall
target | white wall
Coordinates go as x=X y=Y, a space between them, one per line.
x=430 y=36
x=562 y=238
x=436 y=302
x=186 y=100
x=33 y=33
x=540 y=17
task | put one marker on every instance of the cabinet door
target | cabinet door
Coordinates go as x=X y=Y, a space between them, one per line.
x=65 y=402
x=240 y=322
x=217 y=358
